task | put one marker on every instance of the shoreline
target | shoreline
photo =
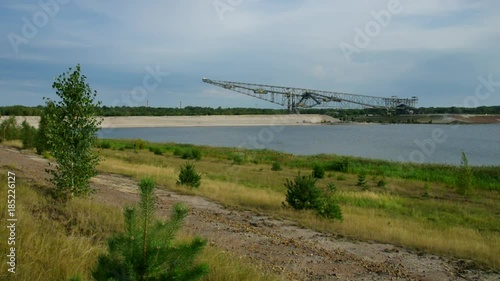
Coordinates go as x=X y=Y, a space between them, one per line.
x=270 y=120
x=200 y=121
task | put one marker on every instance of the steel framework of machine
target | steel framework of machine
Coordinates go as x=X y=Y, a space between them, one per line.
x=296 y=98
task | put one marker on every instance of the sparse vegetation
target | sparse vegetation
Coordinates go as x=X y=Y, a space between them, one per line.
x=483 y=177
x=64 y=241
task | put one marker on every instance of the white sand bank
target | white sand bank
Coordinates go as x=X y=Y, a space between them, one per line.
x=201 y=121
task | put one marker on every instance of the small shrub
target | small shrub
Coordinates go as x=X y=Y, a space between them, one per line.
x=146 y=250
x=331 y=187
x=139 y=144
x=328 y=208
x=156 y=150
x=362 y=181
x=341 y=177
x=318 y=172
x=188 y=176
x=464 y=177
x=381 y=182
x=340 y=166
x=28 y=135
x=187 y=154
x=238 y=158
x=9 y=129
x=104 y=145
x=196 y=153
x=302 y=193
x=427 y=188
x=46 y=154
x=178 y=151
x=276 y=166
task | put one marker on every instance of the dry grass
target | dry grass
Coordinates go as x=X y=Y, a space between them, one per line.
x=373 y=216
x=56 y=242
x=49 y=244
x=13 y=143
x=375 y=225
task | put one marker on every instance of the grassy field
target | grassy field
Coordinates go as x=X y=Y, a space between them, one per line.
x=419 y=207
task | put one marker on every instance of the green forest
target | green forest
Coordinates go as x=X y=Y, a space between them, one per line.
x=20 y=110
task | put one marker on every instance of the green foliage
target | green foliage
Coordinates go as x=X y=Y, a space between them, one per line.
x=191 y=153
x=178 y=151
x=188 y=176
x=139 y=144
x=75 y=278
x=318 y=171
x=42 y=142
x=71 y=132
x=464 y=177
x=156 y=150
x=238 y=158
x=427 y=188
x=146 y=251
x=104 y=144
x=342 y=165
x=328 y=208
x=302 y=193
x=188 y=153
x=484 y=177
x=28 y=135
x=9 y=130
x=381 y=182
x=331 y=187
x=276 y=166
x=362 y=181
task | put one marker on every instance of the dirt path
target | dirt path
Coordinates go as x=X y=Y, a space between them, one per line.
x=276 y=245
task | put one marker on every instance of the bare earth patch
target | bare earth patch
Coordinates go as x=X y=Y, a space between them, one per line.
x=274 y=245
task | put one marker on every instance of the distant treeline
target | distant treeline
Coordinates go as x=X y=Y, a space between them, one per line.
x=19 y=110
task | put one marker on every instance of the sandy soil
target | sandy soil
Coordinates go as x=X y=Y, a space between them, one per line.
x=192 y=121
x=274 y=245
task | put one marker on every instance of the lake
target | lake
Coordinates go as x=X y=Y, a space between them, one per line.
x=419 y=143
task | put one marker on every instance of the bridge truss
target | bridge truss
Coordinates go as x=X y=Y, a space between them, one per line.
x=295 y=99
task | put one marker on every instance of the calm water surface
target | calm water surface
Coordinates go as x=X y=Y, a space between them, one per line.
x=408 y=143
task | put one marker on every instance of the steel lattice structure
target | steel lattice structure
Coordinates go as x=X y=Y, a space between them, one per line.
x=296 y=98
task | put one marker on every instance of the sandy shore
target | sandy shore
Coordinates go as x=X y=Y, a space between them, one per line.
x=200 y=121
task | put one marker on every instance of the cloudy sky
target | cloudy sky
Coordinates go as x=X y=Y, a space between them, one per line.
x=158 y=51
